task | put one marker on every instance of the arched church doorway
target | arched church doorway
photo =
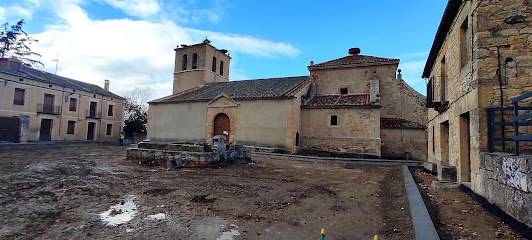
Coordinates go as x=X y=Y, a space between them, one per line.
x=222 y=126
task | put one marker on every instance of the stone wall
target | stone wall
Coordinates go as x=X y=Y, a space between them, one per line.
x=358 y=130
x=404 y=144
x=496 y=32
x=506 y=181
x=166 y=122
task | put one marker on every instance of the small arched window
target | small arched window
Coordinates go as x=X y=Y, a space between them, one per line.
x=194 y=61
x=214 y=64
x=297 y=138
x=222 y=68
x=184 y=62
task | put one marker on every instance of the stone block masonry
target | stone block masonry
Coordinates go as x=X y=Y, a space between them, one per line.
x=505 y=180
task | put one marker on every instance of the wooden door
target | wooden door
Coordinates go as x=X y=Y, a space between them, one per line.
x=222 y=126
x=46 y=130
x=90 y=131
x=48 y=103
x=9 y=129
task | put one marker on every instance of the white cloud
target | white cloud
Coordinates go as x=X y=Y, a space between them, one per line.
x=415 y=55
x=137 y=8
x=412 y=67
x=248 y=45
x=132 y=52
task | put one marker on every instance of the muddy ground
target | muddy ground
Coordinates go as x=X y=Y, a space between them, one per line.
x=64 y=191
x=456 y=215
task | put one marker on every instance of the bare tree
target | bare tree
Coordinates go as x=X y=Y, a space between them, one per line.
x=136 y=110
x=14 y=42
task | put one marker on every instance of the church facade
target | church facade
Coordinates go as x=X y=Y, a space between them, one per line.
x=354 y=105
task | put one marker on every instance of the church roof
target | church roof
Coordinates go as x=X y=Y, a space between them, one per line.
x=338 y=100
x=355 y=60
x=269 y=88
x=400 y=123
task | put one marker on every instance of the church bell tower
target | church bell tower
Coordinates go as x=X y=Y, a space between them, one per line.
x=199 y=65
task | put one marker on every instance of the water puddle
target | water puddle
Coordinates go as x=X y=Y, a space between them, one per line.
x=209 y=228
x=229 y=234
x=120 y=213
x=158 y=216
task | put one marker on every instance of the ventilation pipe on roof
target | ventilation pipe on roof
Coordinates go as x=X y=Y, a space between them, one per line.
x=399 y=75
x=106 y=85
x=311 y=63
x=354 y=51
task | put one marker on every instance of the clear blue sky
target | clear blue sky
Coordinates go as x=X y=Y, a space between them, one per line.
x=131 y=42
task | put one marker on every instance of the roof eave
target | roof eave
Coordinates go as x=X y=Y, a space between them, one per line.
x=445 y=24
x=353 y=65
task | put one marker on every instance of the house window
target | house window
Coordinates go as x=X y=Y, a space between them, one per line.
x=334 y=120
x=19 y=96
x=343 y=90
x=194 y=61
x=73 y=104
x=464 y=44
x=71 y=126
x=214 y=64
x=184 y=66
x=109 y=129
x=443 y=80
x=222 y=68
x=110 y=111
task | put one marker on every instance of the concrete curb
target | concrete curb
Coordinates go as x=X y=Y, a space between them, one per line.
x=423 y=226
x=338 y=160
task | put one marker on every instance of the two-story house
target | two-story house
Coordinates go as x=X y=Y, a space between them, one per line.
x=39 y=106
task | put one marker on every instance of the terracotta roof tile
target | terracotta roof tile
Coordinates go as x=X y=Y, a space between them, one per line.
x=338 y=100
x=354 y=60
x=400 y=123
x=245 y=89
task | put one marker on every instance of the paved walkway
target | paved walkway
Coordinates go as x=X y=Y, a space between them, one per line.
x=423 y=226
x=338 y=160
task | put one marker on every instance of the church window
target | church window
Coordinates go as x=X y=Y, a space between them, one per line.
x=184 y=62
x=222 y=68
x=194 y=61
x=334 y=120
x=343 y=90
x=214 y=64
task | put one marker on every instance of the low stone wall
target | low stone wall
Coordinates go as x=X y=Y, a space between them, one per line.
x=161 y=157
x=506 y=181
x=409 y=144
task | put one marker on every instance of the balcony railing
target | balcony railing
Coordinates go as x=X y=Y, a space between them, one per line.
x=18 y=102
x=94 y=114
x=48 y=109
x=518 y=120
x=436 y=96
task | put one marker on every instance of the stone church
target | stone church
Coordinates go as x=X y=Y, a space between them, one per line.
x=355 y=105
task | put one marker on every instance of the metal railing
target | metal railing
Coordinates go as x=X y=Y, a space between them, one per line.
x=94 y=114
x=48 y=109
x=517 y=121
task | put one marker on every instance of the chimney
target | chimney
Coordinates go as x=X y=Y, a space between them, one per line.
x=106 y=85
x=311 y=63
x=354 y=51
x=11 y=63
x=399 y=75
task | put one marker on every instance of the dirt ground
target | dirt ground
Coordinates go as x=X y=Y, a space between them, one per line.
x=71 y=191
x=457 y=216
